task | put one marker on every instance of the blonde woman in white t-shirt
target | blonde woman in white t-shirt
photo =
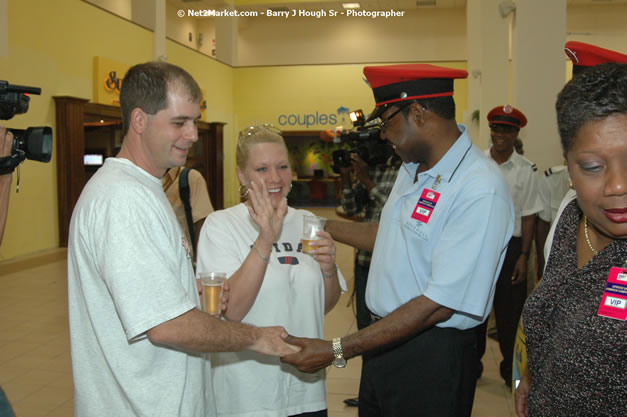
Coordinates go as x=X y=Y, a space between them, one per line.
x=257 y=243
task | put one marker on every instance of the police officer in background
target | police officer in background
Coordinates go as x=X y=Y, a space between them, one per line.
x=520 y=174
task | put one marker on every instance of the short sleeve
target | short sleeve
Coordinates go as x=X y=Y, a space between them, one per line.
x=531 y=203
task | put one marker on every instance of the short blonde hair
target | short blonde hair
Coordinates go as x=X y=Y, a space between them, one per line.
x=253 y=135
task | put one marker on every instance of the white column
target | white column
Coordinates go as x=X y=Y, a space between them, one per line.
x=488 y=62
x=160 y=33
x=226 y=37
x=539 y=35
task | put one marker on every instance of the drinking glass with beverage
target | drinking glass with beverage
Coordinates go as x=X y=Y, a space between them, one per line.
x=311 y=226
x=212 y=283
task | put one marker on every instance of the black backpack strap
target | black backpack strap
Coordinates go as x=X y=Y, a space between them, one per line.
x=184 y=193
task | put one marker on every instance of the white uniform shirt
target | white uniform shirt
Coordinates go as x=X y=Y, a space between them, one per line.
x=291 y=295
x=521 y=179
x=552 y=187
x=570 y=196
x=454 y=259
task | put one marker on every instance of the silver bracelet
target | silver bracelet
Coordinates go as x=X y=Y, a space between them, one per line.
x=264 y=258
x=329 y=276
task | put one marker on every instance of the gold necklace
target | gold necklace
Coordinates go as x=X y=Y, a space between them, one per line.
x=585 y=232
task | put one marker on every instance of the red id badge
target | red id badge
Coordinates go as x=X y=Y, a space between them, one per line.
x=426 y=204
x=614 y=301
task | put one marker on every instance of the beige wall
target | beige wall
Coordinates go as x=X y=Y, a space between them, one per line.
x=421 y=35
x=604 y=25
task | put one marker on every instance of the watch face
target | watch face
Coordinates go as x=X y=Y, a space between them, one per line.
x=339 y=362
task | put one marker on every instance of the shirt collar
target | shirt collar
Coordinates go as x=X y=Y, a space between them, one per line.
x=450 y=161
x=510 y=160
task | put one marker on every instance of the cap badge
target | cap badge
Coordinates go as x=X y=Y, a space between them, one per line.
x=507 y=108
x=403 y=95
x=572 y=55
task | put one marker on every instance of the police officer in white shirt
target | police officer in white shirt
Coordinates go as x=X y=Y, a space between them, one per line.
x=511 y=289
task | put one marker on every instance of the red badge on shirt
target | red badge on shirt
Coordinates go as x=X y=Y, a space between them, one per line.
x=426 y=205
x=614 y=301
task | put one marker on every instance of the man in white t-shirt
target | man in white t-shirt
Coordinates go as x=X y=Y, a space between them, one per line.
x=137 y=333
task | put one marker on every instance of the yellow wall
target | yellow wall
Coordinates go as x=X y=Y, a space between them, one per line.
x=52 y=45
x=424 y=34
x=267 y=94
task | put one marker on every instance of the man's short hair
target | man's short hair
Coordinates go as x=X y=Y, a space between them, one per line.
x=146 y=86
x=594 y=94
x=442 y=106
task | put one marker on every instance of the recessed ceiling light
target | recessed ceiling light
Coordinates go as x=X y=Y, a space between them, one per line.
x=351 y=5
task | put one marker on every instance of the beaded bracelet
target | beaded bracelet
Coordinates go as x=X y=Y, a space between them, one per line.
x=264 y=258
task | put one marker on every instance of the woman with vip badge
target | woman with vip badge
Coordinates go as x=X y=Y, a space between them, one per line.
x=574 y=321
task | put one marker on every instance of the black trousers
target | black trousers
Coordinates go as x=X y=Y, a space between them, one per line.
x=508 y=304
x=321 y=413
x=431 y=375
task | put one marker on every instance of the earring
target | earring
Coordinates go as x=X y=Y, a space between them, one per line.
x=242 y=195
x=570 y=185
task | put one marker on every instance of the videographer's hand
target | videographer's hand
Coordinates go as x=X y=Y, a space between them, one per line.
x=360 y=167
x=6 y=142
x=345 y=174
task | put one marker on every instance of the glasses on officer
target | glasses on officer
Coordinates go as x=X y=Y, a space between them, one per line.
x=384 y=122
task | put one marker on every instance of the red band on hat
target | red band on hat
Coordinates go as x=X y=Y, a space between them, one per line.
x=587 y=55
x=414 y=98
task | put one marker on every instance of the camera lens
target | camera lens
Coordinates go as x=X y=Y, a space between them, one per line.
x=35 y=142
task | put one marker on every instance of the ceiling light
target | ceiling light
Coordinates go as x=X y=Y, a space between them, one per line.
x=351 y=5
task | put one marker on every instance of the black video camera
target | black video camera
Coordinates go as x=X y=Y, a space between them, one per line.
x=34 y=143
x=366 y=142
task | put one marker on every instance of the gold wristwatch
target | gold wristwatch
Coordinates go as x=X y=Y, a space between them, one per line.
x=339 y=361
